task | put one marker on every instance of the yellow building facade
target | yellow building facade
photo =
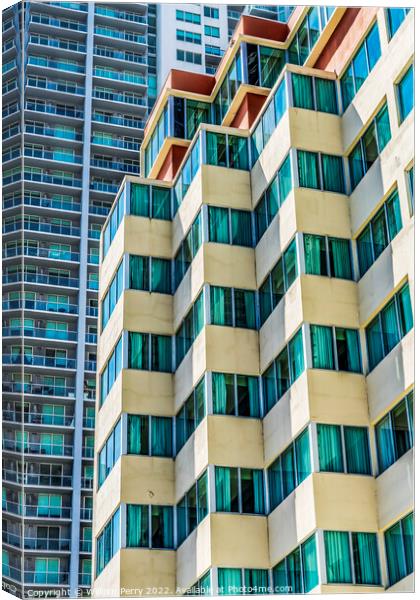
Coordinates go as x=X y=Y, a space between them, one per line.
x=254 y=426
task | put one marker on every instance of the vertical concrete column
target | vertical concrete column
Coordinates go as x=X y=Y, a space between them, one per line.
x=81 y=322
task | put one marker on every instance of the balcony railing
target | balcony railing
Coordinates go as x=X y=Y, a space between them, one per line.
x=128 y=77
x=44 y=20
x=114 y=165
x=40 y=61
x=32 y=479
x=41 y=279
x=86 y=514
x=93 y=259
x=118 y=14
x=33 y=510
x=108 y=53
x=39 y=361
x=42 y=201
x=47 y=578
x=124 y=122
x=88 y=422
x=116 y=97
x=91 y=311
x=56 y=86
x=41 y=332
x=41 y=253
x=85 y=579
x=91 y=338
x=43 y=227
x=121 y=35
x=53 y=43
x=37 y=543
x=94 y=234
x=38 y=389
x=90 y=365
x=38 y=448
x=71 y=5
x=54 y=155
x=57 y=132
x=87 y=483
x=42 y=305
x=86 y=545
x=115 y=143
x=38 y=418
x=102 y=186
x=87 y=452
x=54 y=109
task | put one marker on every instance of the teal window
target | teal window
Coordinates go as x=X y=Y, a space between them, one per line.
x=271 y=117
x=112 y=295
x=187 y=174
x=242 y=581
x=228 y=89
x=188 y=249
x=188 y=17
x=149 y=352
x=192 y=508
x=188 y=36
x=232 y=307
x=211 y=12
x=406 y=94
x=189 y=328
x=327 y=256
x=150 y=201
x=278 y=281
x=343 y=449
x=150 y=274
x=240 y=490
x=202 y=587
x=191 y=414
x=289 y=469
x=314 y=93
x=379 y=232
x=225 y=150
x=113 y=223
x=352 y=558
x=395 y=16
x=370 y=145
x=399 y=548
x=263 y=65
x=335 y=348
x=321 y=171
x=149 y=436
x=236 y=395
x=272 y=199
x=109 y=454
x=211 y=31
x=308 y=34
x=108 y=542
x=150 y=526
x=111 y=371
x=230 y=226
x=362 y=64
x=395 y=433
x=298 y=572
x=410 y=177
x=283 y=372
x=393 y=322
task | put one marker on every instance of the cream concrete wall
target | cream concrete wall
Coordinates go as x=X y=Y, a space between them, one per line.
x=148 y=312
x=381 y=176
x=151 y=571
x=394 y=58
x=391 y=377
x=135 y=235
x=333 y=397
x=391 y=267
x=147 y=480
x=230 y=541
x=240 y=356
x=309 y=211
x=313 y=299
x=336 y=588
x=191 y=460
x=404 y=585
x=226 y=187
x=395 y=491
x=108 y=583
x=194 y=556
x=216 y=264
x=331 y=501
